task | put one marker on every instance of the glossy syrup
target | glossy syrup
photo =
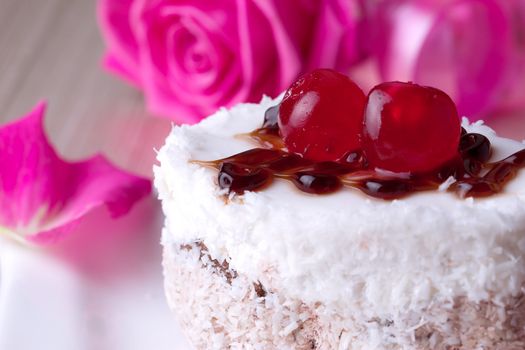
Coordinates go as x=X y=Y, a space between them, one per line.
x=255 y=169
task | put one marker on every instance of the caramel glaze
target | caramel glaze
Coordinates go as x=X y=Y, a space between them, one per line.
x=255 y=169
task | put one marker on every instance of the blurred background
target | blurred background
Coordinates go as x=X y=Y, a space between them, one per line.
x=52 y=50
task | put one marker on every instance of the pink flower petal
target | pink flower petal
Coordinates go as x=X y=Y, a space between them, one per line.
x=113 y=17
x=170 y=89
x=438 y=44
x=193 y=57
x=42 y=196
x=113 y=65
x=259 y=55
x=514 y=94
x=336 y=33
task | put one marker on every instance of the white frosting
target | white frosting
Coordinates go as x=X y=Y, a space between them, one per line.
x=345 y=249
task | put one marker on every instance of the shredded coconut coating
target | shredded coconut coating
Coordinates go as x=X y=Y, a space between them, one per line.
x=221 y=313
x=346 y=250
x=382 y=271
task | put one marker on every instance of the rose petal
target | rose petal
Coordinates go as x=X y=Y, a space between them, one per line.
x=196 y=56
x=113 y=17
x=171 y=91
x=250 y=49
x=258 y=55
x=336 y=34
x=113 y=65
x=42 y=196
x=514 y=94
x=438 y=44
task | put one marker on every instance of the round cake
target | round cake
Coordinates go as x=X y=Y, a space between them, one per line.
x=284 y=269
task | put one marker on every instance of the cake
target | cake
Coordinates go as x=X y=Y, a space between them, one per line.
x=275 y=267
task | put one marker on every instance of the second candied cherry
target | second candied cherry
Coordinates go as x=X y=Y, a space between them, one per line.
x=321 y=116
x=410 y=128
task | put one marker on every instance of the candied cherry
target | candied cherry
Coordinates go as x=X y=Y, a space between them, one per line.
x=321 y=116
x=410 y=128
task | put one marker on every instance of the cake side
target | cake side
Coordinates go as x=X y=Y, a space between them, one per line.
x=220 y=308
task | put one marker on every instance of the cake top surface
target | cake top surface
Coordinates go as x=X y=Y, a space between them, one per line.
x=325 y=134
x=344 y=248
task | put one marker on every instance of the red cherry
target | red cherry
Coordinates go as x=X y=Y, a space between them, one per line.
x=410 y=128
x=321 y=115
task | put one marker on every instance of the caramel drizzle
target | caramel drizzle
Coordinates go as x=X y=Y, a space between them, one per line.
x=255 y=169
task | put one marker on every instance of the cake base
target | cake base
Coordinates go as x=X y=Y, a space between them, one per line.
x=219 y=308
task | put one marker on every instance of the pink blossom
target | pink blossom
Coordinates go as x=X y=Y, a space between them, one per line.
x=336 y=35
x=192 y=57
x=42 y=196
x=123 y=53
x=459 y=46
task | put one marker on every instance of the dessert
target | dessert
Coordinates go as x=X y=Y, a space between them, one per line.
x=272 y=241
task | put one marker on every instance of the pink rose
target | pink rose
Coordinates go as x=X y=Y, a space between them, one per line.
x=335 y=40
x=192 y=57
x=123 y=51
x=459 y=46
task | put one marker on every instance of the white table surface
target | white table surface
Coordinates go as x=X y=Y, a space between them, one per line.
x=99 y=289
x=95 y=290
